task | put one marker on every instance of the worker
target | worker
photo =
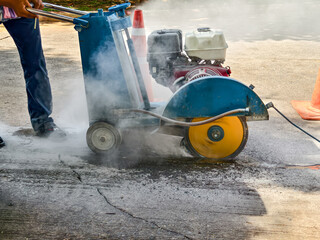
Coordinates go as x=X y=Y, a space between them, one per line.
x=23 y=27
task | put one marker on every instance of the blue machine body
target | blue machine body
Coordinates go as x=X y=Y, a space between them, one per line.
x=112 y=80
x=211 y=96
x=108 y=71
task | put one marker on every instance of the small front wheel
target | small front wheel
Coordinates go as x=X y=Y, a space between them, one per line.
x=103 y=138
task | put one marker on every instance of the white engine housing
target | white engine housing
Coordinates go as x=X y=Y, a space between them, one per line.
x=206 y=44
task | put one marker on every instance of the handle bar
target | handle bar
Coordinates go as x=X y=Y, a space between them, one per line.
x=65 y=9
x=58 y=16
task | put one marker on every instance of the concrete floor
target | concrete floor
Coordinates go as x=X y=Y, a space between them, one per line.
x=61 y=190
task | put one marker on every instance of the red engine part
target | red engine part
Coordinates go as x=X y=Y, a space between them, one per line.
x=202 y=71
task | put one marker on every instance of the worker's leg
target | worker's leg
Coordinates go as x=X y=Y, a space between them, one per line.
x=26 y=35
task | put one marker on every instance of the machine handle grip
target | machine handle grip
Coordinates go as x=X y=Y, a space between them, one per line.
x=120 y=9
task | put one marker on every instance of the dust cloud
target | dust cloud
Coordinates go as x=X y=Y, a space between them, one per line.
x=96 y=99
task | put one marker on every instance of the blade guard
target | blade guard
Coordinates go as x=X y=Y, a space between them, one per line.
x=211 y=96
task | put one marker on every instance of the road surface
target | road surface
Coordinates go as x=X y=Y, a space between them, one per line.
x=61 y=190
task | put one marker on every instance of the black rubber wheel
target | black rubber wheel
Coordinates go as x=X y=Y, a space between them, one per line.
x=103 y=138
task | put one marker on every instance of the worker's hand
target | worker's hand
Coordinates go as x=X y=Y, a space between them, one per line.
x=19 y=6
x=37 y=4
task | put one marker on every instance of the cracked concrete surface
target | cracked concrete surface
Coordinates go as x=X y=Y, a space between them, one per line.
x=61 y=190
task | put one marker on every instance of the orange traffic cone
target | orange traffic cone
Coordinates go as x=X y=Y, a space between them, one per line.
x=310 y=110
x=138 y=36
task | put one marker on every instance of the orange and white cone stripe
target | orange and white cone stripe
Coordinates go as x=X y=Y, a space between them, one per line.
x=310 y=110
x=138 y=36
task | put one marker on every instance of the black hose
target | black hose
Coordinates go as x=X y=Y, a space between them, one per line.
x=270 y=104
x=190 y=124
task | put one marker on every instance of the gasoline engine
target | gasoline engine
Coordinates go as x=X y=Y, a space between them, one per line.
x=172 y=66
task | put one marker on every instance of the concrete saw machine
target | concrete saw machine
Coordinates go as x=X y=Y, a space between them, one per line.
x=208 y=109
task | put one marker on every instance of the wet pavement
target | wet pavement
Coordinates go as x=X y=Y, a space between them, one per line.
x=53 y=189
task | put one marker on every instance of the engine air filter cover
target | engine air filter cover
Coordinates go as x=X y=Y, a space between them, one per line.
x=165 y=41
x=207 y=44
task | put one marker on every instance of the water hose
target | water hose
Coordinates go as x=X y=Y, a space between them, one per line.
x=270 y=105
x=191 y=124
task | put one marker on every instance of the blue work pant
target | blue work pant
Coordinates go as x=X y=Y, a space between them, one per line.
x=27 y=38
